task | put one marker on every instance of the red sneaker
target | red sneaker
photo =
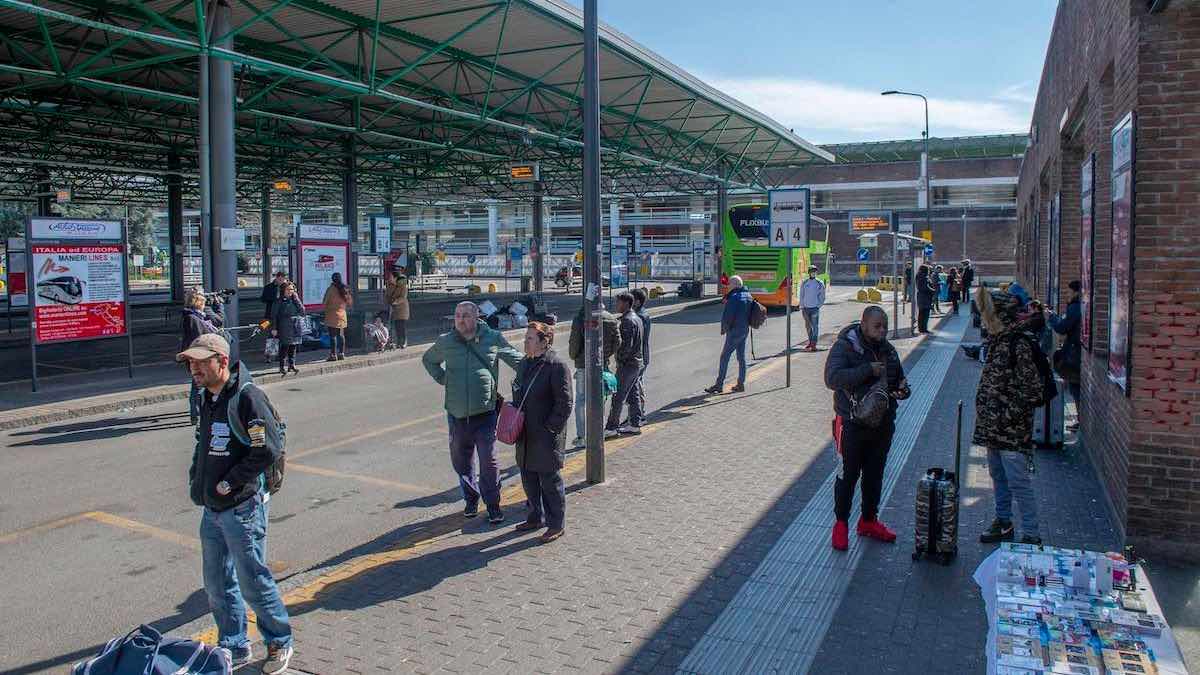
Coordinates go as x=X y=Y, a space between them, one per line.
x=841 y=535
x=875 y=530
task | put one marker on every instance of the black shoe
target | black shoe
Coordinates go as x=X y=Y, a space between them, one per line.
x=471 y=511
x=293 y=369
x=1027 y=539
x=1001 y=530
x=282 y=372
x=738 y=388
x=332 y=357
x=495 y=517
x=713 y=389
x=341 y=357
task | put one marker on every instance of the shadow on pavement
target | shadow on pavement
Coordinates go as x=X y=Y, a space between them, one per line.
x=447 y=496
x=95 y=430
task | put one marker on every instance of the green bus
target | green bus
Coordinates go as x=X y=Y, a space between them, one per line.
x=746 y=253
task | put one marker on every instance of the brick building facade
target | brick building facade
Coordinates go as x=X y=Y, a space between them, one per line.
x=973 y=182
x=1111 y=61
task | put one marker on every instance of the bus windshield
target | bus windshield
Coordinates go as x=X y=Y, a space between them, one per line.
x=751 y=223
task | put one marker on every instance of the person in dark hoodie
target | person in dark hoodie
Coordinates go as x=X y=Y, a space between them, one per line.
x=735 y=326
x=927 y=289
x=1069 y=358
x=1010 y=388
x=611 y=342
x=860 y=358
x=198 y=318
x=639 y=308
x=227 y=478
x=629 y=369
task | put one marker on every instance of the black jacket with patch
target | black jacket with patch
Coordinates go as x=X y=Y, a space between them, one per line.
x=219 y=456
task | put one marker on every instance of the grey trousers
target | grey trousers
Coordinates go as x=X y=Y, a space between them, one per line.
x=629 y=386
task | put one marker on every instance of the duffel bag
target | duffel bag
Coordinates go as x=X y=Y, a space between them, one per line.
x=145 y=651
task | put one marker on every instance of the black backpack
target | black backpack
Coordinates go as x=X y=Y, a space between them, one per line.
x=274 y=473
x=1049 y=388
x=758 y=314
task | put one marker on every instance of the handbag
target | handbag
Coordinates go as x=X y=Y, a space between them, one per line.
x=271 y=348
x=511 y=423
x=869 y=410
x=608 y=383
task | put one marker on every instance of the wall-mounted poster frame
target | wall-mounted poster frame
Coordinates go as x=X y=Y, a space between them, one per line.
x=1120 y=296
x=1087 y=236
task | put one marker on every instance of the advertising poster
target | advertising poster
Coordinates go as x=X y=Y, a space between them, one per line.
x=1088 y=245
x=318 y=263
x=16 y=280
x=78 y=291
x=698 y=260
x=515 y=262
x=618 y=270
x=1052 y=277
x=1120 y=293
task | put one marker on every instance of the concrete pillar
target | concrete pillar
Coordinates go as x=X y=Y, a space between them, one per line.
x=493 y=228
x=175 y=226
x=350 y=211
x=539 y=249
x=266 y=234
x=222 y=164
x=45 y=189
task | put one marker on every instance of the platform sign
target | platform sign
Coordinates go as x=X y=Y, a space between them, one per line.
x=870 y=221
x=789 y=217
x=77 y=277
x=322 y=251
x=381 y=239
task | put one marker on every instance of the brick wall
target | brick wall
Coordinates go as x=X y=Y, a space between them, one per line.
x=1106 y=58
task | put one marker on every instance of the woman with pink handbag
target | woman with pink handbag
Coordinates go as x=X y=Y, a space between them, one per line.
x=536 y=418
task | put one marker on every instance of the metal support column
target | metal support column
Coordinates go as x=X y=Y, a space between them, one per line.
x=203 y=150
x=592 y=251
x=493 y=228
x=719 y=226
x=350 y=211
x=45 y=192
x=222 y=165
x=175 y=225
x=539 y=248
x=266 y=233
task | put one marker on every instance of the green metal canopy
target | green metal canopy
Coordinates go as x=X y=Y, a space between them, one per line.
x=954 y=147
x=426 y=99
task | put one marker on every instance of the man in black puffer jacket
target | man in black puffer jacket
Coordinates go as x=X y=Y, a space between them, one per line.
x=860 y=357
x=629 y=367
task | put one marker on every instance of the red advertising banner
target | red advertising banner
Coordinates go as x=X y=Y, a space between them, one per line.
x=78 y=291
x=1088 y=244
x=1120 y=291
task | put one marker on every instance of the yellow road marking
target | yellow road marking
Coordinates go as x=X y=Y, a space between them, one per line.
x=365 y=435
x=107 y=519
x=370 y=480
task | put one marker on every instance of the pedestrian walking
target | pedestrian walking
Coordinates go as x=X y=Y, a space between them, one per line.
x=542 y=389
x=1068 y=359
x=1010 y=389
x=466 y=362
x=629 y=367
x=908 y=282
x=952 y=289
x=938 y=281
x=926 y=290
x=812 y=298
x=337 y=301
x=864 y=372
x=196 y=319
x=287 y=324
x=735 y=326
x=227 y=479
x=610 y=342
x=639 y=308
x=396 y=298
x=967 y=278
x=271 y=293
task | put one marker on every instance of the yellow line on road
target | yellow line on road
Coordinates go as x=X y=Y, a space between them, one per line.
x=44 y=527
x=370 y=480
x=107 y=519
x=365 y=435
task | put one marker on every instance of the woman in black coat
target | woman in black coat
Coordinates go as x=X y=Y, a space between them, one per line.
x=287 y=316
x=542 y=389
x=926 y=288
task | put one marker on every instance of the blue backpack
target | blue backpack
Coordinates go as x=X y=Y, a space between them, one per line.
x=145 y=651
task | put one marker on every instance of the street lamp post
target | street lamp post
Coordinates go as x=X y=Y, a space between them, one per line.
x=925 y=166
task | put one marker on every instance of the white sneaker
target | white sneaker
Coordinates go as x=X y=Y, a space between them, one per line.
x=629 y=430
x=611 y=433
x=277 y=660
x=578 y=442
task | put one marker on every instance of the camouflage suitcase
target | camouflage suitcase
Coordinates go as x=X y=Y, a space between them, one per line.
x=936 y=525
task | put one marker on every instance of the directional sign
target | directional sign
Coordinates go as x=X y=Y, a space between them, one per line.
x=864 y=254
x=471 y=259
x=928 y=250
x=789 y=214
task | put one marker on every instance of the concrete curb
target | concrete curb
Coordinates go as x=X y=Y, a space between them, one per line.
x=57 y=412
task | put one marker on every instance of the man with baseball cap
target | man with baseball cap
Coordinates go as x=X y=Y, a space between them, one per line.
x=227 y=478
x=812 y=297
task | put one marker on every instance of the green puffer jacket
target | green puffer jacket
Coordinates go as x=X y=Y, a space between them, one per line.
x=470 y=386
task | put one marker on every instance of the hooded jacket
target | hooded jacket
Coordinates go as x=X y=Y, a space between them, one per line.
x=735 y=318
x=470 y=384
x=629 y=354
x=1010 y=386
x=611 y=339
x=848 y=369
x=195 y=323
x=220 y=456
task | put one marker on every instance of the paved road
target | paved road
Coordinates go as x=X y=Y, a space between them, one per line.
x=96 y=522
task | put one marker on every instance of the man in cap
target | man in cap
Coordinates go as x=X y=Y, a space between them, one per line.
x=812 y=297
x=227 y=478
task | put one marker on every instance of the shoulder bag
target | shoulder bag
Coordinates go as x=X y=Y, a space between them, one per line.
x=511 y=424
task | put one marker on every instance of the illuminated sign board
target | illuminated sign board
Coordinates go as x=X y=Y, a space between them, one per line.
x=283 y=185
x=524 y=172
x=870 y=221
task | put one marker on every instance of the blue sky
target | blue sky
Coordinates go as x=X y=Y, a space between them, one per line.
x=818 y=65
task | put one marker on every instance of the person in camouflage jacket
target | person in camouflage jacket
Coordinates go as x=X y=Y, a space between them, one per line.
x=1010 y=388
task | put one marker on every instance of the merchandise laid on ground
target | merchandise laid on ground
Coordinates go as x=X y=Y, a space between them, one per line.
x=1053 y=610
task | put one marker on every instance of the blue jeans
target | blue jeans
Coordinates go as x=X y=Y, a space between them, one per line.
x=1012 y=477
x=471 y=436
x=812 y=319
x=234 y=548
x=733 y=345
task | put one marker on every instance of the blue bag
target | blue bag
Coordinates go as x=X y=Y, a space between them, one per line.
x=145 y=651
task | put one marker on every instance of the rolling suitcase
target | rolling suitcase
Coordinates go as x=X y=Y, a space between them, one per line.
x=936 y=527
x=1049 y=421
